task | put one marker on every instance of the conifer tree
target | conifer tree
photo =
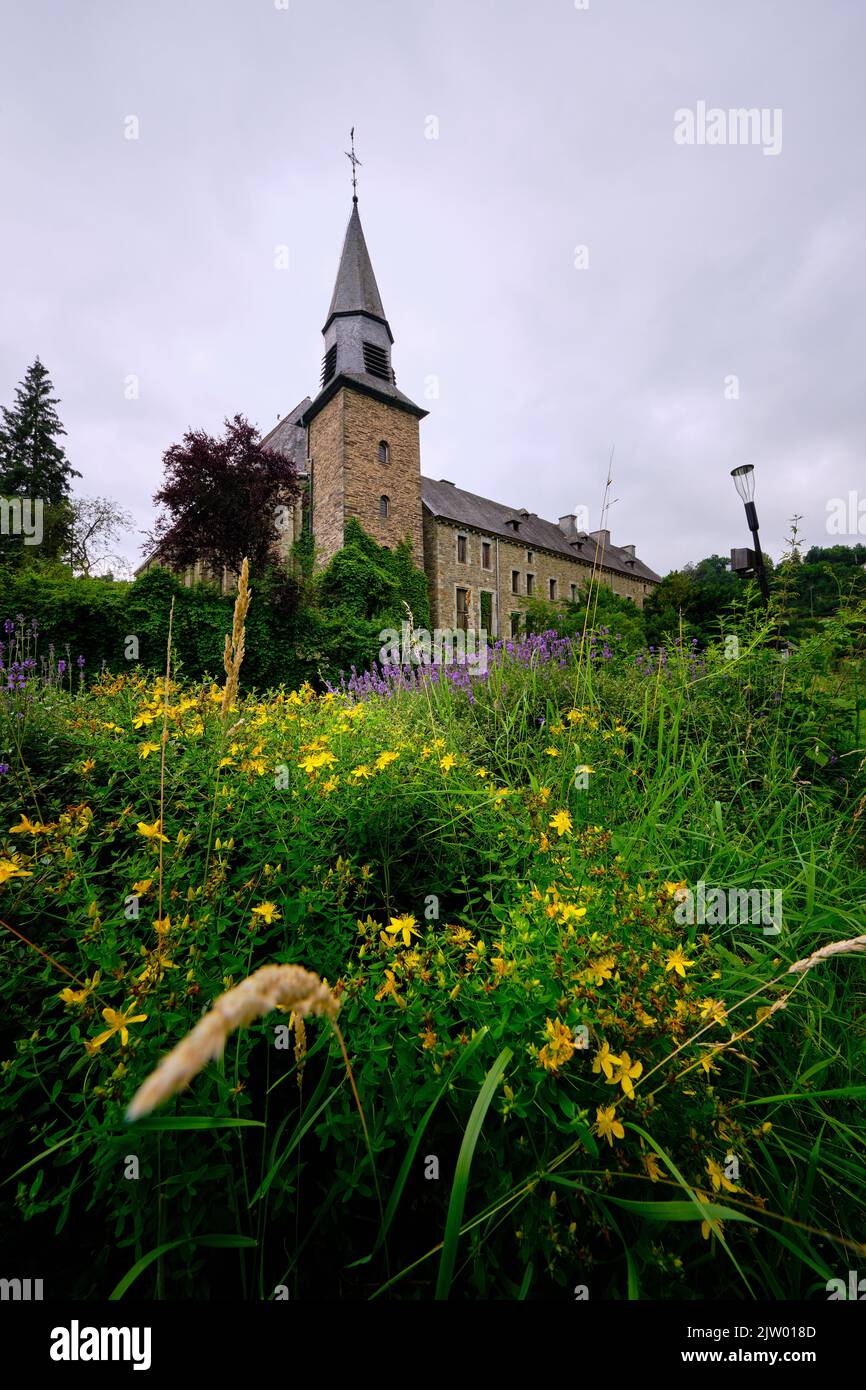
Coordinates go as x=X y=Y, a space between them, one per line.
x=33 y=461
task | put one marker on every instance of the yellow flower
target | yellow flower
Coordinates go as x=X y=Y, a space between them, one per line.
x=561 y=822
x=384 y=759
x=673 y=890
x=316 y=760
x=560 y=1045
x=627 y=1071
x=269 y=912
x=713 y=1009
x=142 y=886
x=145 y=717
x=147 y=748
x=719 y=1178
x=27 y=827
x=604 y=1061
x=447 y=763
x=390 y=987
x=710 y=1225
x=152 y=832
x=118 y=1022
x=607 y=1126
x=9 y=869
x=552 y=752
x=404 y=925
x=568 y=912
x=678 y=961
x=361 y=771
x=481 y=772
x=79 y=996
x=87 y=766
x=600 y=971
x=651 y=1163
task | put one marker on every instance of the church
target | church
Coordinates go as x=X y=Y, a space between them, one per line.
x=356 y=447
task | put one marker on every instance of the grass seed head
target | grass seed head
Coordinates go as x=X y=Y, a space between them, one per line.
x=271 y=987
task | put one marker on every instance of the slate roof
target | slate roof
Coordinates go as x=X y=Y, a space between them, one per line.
x=289 y=436
x=355 y=289
x=371 y=386
x=450 y=503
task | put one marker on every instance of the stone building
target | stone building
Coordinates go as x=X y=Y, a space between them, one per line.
x=356 y=446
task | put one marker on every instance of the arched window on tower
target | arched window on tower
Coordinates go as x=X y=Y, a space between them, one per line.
x=384 y=452
x=384 y=506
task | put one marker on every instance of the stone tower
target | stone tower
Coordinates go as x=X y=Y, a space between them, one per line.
x=362 y=433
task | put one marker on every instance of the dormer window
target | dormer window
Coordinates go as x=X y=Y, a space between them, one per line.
x=376 y=361
x=384 y=452
x=384 y=506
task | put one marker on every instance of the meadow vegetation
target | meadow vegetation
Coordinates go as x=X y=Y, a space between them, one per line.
x=540 y=1078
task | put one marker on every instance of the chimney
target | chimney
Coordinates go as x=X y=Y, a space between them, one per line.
x=602 y=538
x=568 y=526
x=629 y=550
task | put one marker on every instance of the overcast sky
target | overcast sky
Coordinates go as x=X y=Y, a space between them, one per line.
x=157 y=257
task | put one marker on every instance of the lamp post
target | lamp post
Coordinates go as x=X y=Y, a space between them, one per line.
x=744 y=482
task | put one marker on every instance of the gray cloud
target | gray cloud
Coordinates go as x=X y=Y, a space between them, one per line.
x=155 y=257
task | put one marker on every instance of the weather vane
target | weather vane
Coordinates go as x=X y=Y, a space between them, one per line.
x=355 y=162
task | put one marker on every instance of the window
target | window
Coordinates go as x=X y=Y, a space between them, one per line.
x=515 y=624
x=530 y=584
x=329 y=364
x=463 y=608
x=574 y=593
x=515 y=581
x=376 y=361
x=384 y=506
x=551 y=589
x=530 y=556
x=461 y=550
x=384 y=452
x=485 y=555
x=486 y=605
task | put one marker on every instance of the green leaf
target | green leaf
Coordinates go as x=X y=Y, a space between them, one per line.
x=219 y=1242
x=461 y=1174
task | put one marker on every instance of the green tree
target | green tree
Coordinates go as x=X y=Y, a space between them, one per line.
x=34 y=470
x=33 y=462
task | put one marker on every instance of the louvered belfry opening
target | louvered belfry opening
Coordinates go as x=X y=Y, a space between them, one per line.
x=329 y=365
x=376 y=361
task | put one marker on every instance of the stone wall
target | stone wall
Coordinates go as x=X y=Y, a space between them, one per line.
x=349 y=480
x=446 y=574
x=326 y=449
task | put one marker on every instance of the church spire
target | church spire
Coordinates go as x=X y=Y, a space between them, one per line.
x=355 y=288
x=358 y=337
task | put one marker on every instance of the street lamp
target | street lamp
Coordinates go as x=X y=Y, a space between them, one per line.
x=744 y=482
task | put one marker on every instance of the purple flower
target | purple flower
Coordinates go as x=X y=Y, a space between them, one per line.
x=4 y=768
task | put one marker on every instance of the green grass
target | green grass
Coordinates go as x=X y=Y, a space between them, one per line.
x=462 y=1041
